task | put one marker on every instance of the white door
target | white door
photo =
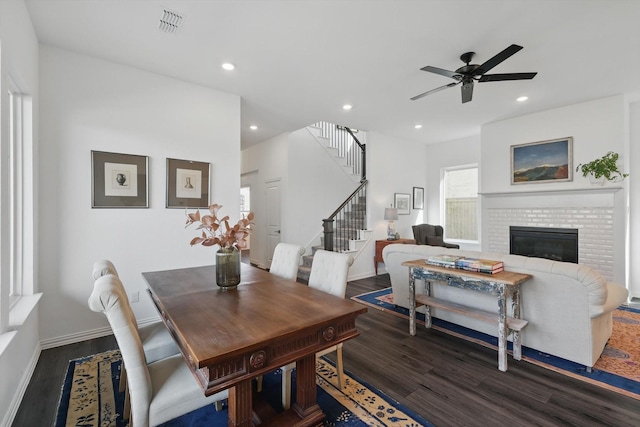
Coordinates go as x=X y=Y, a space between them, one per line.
x=273 y=217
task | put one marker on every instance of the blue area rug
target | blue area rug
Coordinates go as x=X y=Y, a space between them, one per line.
x=90 y=397
x=618 y=368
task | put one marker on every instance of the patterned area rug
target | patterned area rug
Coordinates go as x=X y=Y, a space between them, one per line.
x=90 y=397
x=617 y=369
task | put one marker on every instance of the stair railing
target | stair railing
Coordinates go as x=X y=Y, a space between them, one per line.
x=350 y=218
x=342 y=138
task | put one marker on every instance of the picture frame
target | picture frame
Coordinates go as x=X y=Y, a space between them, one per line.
x=119 y=180
x=402 y=201
x=542 y=161
x=418 y=198
x=187 y=184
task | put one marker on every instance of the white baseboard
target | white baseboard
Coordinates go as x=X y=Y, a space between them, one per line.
x=76 y=337
x=21 y=389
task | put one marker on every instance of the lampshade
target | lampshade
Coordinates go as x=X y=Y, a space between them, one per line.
x=390 y=214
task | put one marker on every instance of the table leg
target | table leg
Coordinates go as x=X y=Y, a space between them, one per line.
x=306 y=406
x=427 y=308
x=412 y=302
x=240 y=405
x=502 y=329
x=517 y=343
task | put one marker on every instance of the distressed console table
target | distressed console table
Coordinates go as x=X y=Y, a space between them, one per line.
x=503 y=285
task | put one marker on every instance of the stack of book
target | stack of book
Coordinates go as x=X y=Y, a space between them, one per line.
x=480 y=265
x=448 y=261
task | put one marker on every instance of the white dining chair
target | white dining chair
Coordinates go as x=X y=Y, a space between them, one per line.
x=159 y=391
x=286 y=260
x=329 y=273
x=156 y=339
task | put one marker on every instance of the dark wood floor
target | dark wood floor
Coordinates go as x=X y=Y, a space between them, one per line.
x=448 y=381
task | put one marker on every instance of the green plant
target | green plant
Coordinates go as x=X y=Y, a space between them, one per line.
x=212 y=232
x=606 y=166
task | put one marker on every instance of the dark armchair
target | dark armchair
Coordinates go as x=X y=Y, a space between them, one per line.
x=427 y=234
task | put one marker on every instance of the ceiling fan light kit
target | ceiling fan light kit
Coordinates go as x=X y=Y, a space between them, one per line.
x=468 y=74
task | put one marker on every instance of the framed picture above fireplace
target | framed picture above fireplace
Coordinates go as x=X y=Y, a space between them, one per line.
x=543 y=161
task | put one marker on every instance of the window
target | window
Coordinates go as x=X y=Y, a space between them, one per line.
x=460 y=197
x=17 y=210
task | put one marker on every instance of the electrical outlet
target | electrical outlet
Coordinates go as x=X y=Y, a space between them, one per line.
x=134 y=296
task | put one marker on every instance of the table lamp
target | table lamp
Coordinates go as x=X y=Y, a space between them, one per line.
x=391 y=214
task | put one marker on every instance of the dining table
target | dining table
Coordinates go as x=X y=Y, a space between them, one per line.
x=229 y=337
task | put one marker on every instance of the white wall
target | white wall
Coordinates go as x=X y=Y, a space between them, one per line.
x=89 y=104
x=260 y=163
x=465 y=151
x=19 y=339
x=633 y=201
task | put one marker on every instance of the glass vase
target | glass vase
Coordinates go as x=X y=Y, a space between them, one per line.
x=228 y=268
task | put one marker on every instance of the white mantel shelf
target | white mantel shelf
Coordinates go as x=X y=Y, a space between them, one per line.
x=568 y=191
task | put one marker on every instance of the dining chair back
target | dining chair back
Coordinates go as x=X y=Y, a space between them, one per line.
x=160 y=391
x=156 y=339
x=286 y=260
x=329 y=273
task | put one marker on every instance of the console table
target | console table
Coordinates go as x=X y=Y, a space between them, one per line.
x=380 y=244
x=503 y=285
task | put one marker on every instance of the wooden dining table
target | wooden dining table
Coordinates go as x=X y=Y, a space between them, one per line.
x=229 y=337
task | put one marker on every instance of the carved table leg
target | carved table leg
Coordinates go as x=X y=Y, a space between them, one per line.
x=240 y=405
x=427 y=308
x=306 y=406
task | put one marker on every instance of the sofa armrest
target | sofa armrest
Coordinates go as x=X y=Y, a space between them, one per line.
x=616 y=296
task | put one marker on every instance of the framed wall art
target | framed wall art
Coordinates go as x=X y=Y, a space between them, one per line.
x=401 y=201
x=544 y=161
x=187 y=184
x=119 y=180
x=418 y=198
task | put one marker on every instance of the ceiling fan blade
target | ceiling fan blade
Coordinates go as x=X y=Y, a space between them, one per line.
x=467 y=91
x=509 y=76
x=497 y=59
x=438 y=89
x=442 y=72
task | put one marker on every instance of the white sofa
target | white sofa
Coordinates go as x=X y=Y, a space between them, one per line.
x=568 y=306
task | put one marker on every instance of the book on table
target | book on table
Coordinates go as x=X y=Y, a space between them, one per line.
x=443 y=260
x=480 y=265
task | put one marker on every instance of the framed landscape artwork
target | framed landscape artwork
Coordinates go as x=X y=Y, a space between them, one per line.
x=187 y=184
x=119 y=180
x=401 y=202
x=544 y=161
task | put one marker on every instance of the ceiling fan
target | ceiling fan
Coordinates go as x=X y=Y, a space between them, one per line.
x=469 y=73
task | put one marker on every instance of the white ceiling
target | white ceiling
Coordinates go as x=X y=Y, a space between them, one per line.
x=298 y=62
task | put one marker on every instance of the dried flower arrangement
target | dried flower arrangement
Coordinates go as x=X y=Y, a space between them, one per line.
x=212 y=233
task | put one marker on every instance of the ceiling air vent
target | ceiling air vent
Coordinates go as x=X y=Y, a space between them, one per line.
x=170 y=22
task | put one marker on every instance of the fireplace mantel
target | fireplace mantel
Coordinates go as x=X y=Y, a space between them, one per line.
x=569 y=198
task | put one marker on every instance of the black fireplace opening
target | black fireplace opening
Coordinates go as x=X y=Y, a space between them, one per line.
x=557 y=244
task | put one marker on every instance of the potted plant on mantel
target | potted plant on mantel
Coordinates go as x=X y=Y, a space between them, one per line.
x=604 y=168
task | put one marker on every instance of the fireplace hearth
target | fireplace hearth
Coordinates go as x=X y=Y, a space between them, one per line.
x=557 y=244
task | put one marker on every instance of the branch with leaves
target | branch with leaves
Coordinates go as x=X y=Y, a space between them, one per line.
x=213 y=232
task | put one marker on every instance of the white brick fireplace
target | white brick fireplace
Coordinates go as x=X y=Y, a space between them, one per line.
x=591 y=211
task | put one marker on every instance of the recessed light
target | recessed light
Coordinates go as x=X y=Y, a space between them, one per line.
x=228 y=66
x=522 y=98
x=253 y=127
x=418 y=126
x=347 y=107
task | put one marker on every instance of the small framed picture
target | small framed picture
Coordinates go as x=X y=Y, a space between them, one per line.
x=401 y=202
x=418 y=198
x=187 y=184
x=543 y=161
x=119 y=180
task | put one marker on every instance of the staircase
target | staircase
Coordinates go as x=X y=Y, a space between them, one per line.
x=347 y=226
